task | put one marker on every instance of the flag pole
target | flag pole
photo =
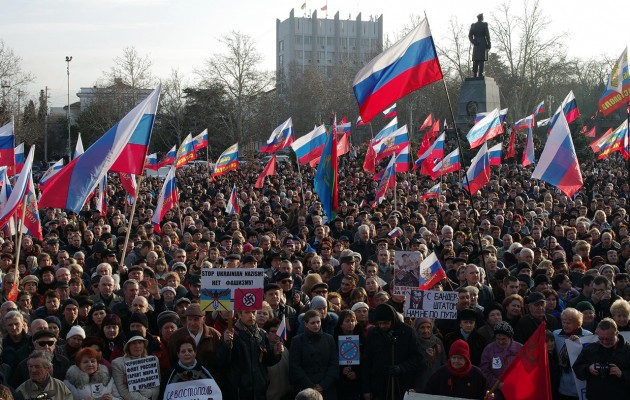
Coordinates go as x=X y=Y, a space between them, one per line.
x=130 y=221
x=19 y=246
x=463 y=158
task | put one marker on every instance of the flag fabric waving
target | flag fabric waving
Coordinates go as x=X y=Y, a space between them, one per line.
x=101 y=196
x=360 y=121
x=233 y=206
x=524 y=123
x=495 y=154
x=269 y=170
x=19 y=160
x=50 y=172
x=201 y=140
x=388 y=130
x=427 y=122
x=527 y=376
x=388 y=181
x=432 y=193
x=32 y=224
x=18 y=192
x=434 y=152
x=7 y=145
x=482 y=115
x=511 y=149
x=151 y=162
x=280 y=138
x=569 y=108
x=227 y=161
x=558 y=163
x=390 y=112
x=529 y=157
x=478 y=173
x=310 y=146
x=78 y=149
x=596 y=144
x=326 y=178
x=167 y=200
x=369 y=164
x=591 y=132
x=539 y=108
x=403 y=161
x=186 y=152
x=169 y=158
x=616 y=93
x=484 y=130
x=408 y=65
x=614 y=142
x=392 y=144
x=450 y=163
x=117 y=150
x=431 y=272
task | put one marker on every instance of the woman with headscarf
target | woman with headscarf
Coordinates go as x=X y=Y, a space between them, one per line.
x=458 y=378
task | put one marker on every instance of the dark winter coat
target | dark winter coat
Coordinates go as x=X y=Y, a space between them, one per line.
x=313 y=360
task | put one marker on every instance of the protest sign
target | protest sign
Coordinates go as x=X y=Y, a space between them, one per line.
x=200 y=389
x=349 y=350
x=232 y=289
x=406 y=271
x=430 y=304
x=142 y=373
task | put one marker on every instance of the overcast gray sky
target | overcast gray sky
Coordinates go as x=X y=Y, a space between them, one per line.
x=181 y=34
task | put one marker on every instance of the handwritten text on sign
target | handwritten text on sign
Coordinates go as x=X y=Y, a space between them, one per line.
x=430 y=304
x=142 y=373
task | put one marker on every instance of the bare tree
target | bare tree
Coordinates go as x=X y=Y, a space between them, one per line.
x=172 y=105
x=238 y=71
x=13 y=80
x=456 y=51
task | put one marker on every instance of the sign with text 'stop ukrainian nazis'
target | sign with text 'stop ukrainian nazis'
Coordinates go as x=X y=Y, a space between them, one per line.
x=237 y=289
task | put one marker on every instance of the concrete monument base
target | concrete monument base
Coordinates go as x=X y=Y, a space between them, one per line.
x=476 y=95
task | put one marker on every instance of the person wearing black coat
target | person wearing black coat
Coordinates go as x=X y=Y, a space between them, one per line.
x=313 y=361
x=466 y=332
x=246 y=353
x=605 y=365
x=392 y=356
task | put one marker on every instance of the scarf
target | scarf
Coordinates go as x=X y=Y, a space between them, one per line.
x=460 y=373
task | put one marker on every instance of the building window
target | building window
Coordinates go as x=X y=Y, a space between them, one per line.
x=281 y=45
x=281 y=60
x=298 y=39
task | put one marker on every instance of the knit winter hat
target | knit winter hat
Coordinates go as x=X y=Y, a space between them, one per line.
x=503 y=328
x=584 y=305
x=318 y=301
x=460 y=348
x=75 y=331
x=384 y=312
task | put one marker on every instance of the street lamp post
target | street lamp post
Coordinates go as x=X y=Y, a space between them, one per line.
x=68 y=59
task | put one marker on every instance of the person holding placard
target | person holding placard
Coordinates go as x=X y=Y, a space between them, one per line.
x=135 y=348
x=89 y=379
x=187 y=367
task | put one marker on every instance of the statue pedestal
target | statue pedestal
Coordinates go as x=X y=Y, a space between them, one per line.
x=476 y=95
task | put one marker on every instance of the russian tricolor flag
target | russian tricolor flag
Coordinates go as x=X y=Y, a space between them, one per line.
x=408 y=65
x=18 y=192
x=524 y=123
x=435 y=151
x=50 y=172
x=495 y=154
x=310 y=146
x=282 y=329
x=450 y=163
x=529 y=157
x=396 y=232
x=392 y=144
x=479 y=172
x=558 y=164
x=186 y=152
x=121 y=149
x=484 y=130
x=482 y=115
x=614 y=142
x=151 y=162
x=390 y=112
x=388 y=130
x=228 y=161
x=539 y=108
x=19 y=160
x=201 y=140
x=169 y=158
x=388 y=181
x=360 y=121
x=7 y=144
x=431 y=272
x=167 y=200
x=5 y=194
x=432 y=193
x=569 y=108
x=233 y=206
x=32 y=224
x=280 y=138
x=346 y=127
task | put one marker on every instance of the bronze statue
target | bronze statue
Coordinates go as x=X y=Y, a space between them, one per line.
x=479 y=36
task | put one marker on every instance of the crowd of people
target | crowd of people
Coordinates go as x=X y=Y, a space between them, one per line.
x=517 y=253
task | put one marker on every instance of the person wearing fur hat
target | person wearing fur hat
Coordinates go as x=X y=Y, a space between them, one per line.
x=458 y=378
x=89 y=377
x=499 y=354
x=391 y=356
x=467 y=321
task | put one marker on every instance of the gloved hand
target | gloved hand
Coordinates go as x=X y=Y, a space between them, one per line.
x=395 y=370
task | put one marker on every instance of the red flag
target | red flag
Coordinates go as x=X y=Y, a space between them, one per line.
x=591 y=133
x=269 y=170
x=426 y=143
x=527 y=377
x=511 y=145
x=427 y=122
x=370 y=159
x=13 y=292
x=343 y=146
x=434 y=130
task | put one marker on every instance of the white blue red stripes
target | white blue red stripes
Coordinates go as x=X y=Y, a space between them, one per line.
x=390 y=112
x=388 y=180
x=19 y=190
x=167 y=200
x=481 y=115
x=524 y=123
x=151 y=162
x=19 y=160
x=7 y=144
x=169 y=158
x=529 y=157
x=227 y=161
x=569 y=108
x=431 y=272
x=404 y=67
x=310 y=146
x=539 y=108
x=201 y=140
x=52 y=170
x=487 y=128
x=392 y=144
x=478 y=173
x=435 y=151
x=233 y=206
x=449 y=163
x=390 y=128
x=495 y=154
x=558 y=163
x=186 y=152
x=280 y=138
x=432 y=193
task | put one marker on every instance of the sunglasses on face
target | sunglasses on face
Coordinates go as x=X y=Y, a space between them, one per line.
x=48 y=343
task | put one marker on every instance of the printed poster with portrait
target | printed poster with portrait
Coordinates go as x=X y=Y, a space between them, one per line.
x=406 y=271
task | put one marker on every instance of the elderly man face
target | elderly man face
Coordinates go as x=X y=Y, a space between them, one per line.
x=140 y=305
x=39 y=370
